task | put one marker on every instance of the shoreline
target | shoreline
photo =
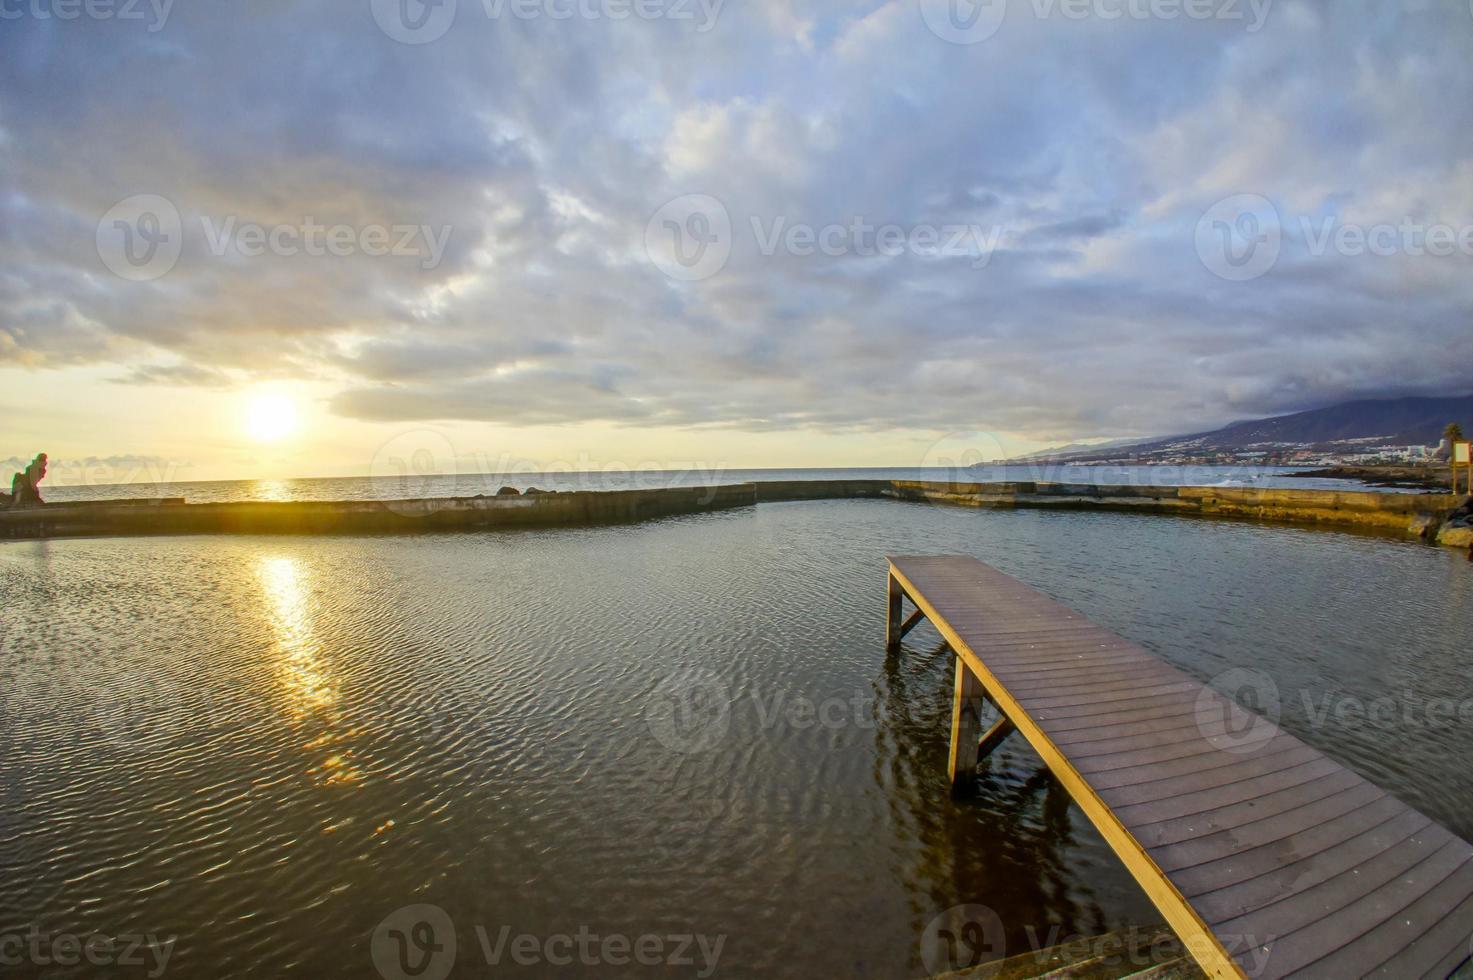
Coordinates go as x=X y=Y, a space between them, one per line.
x=1424 y=516
x=1430 y=478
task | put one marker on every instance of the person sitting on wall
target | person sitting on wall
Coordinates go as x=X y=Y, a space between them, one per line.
x=25 y=487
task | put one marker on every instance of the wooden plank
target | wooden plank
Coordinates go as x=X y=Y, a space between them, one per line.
x=1234 y=828
x=1262 y=833
x=1150 y=803
x=1092 y=723
x=1115 y=749
x=1085 y=709
x=1109 y=739
x=1086 y=682
x=1067 y=655
x=1256 y=861
x=1209 y=778
x=1329 y=897
x=1130 y=696
x=1083 y=675
x=1096 y=655
x=1374 y=929
x=1152 y=770
x=1448 y=934
x=1177 y=829
x=1136 y=758
x=1255 y=892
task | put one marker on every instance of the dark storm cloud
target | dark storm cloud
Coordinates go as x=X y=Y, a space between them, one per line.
x=1078 y=154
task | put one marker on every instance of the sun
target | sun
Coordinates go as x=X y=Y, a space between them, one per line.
x=271 y=418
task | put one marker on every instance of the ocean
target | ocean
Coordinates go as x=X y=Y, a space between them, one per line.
x=411 y=485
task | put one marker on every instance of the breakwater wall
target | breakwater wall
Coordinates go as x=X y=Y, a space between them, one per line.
x=1421 y=515
x=173 y=516
x=1417 y=514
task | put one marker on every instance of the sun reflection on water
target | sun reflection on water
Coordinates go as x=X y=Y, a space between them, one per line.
x=311 y=693
x=273 y=491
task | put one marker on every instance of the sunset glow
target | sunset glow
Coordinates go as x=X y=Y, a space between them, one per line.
x=272 y=418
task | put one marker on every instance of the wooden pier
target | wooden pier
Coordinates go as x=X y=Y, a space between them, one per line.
x=1265 y=856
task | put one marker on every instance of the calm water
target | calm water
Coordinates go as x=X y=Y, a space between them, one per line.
x=688 y=727
x=396 y=479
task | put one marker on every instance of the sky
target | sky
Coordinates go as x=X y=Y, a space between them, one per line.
x=276 y=239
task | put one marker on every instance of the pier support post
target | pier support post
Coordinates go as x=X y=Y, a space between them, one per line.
x=966 y=728
x=892 y=623
x=895 y=629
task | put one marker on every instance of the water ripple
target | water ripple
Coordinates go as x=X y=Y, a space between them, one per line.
x=267 y=746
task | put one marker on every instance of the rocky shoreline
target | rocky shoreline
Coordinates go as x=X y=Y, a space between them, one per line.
x=1456 y=530
x=1431 y=478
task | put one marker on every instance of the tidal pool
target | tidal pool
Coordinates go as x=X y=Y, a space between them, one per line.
x=684 y=737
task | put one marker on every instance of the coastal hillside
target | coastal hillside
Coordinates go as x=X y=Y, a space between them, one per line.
x=1402 y=421
x=1346 y=427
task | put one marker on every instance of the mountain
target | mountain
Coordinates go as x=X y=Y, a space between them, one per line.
x=1345 y=427
x=1078 y=448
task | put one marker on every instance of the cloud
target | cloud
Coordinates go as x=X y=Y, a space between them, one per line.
x=1090 y=148
x=187 y=375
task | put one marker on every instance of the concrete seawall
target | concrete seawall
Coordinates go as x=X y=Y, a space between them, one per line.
x=1401 y=512
x=1421 y=515
x=368 y=516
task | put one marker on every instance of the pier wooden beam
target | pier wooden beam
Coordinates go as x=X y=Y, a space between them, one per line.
x=995 y=736
x=912 y=621
x=966 y=729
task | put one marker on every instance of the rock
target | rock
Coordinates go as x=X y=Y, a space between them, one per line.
x=508 y=492
x=25 y=487
x=1425 y=526
x=531 y=490
x=1456 y=537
